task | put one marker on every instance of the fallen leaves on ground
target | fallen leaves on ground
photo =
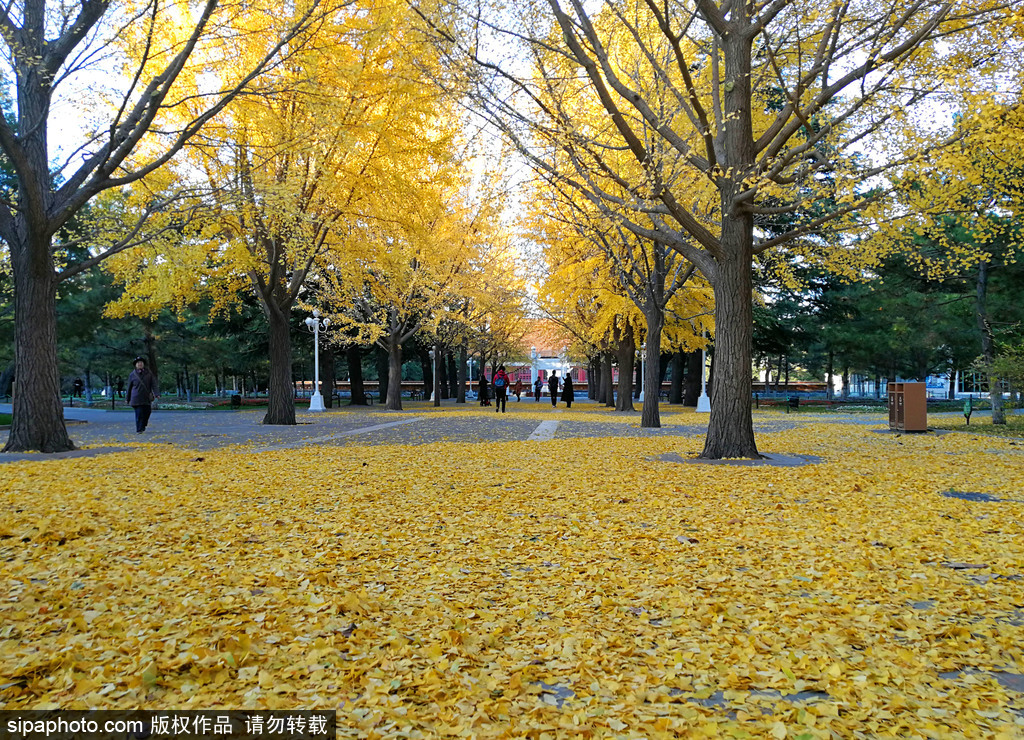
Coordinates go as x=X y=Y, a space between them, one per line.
x=528 y=589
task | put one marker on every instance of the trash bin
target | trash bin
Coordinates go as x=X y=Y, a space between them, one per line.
x=236 y=402
x=908 y=407
x=794 y=402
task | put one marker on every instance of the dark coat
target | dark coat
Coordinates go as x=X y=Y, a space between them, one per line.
x=567 y=392
x=482 y=389
x=553 y=384
x=142 y=388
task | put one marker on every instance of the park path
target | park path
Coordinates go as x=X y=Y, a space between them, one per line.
x=108 y=431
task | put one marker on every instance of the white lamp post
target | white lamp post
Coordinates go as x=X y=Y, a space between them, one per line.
x=315 y=325
x=533 y=367
x=643 y=355
x=435 y=391
x=703 y=403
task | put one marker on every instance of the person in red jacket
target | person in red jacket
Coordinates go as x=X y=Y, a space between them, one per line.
x=500 y=384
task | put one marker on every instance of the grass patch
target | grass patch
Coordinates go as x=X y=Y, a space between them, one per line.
x=5 y=419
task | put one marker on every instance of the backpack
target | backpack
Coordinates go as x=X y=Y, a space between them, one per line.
x=500 y=381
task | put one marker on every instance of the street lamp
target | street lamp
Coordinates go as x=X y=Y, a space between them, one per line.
x=643 y=356
x=435 y=392
x=315 y=324
x=703 y=403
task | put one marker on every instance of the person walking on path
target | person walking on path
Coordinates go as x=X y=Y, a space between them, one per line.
x=553 y=388
x=120 y=386
x=142 y=391
x=481 y=391
x=567 y=392
x=518 y=389
x=538 y=387
x=500 y=383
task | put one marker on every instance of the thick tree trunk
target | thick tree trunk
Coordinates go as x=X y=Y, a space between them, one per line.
x=592 y=377
x=280 y=392
x=625 y=353
x=730 y=426
x=608 y=380
x=394 y=387
x=38 y=422
x=327 y=375
x=460 y=395
x=988 y=349
x=650 y=418
x=675 y=394
x=354 y=358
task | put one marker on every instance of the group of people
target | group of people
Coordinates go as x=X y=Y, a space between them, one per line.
x=500 y=384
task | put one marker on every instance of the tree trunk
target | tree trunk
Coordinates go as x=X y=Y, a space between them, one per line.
x=650 y=418
x=675 y=394
x=608 y=381
x=453 y=375
x=38 y=422
x=280 y=392
x=354 y=359
x=327 y=375
x=152 y=361
x=694 y=368
x=988 y=349
x=625 y=354
x=394 y=387
x=846 y=383
x=731 y=426
x=951 y=393
x=438 y=373
x=592 y=378
x=460 y=394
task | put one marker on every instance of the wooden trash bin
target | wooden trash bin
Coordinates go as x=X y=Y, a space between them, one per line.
x=908 y=407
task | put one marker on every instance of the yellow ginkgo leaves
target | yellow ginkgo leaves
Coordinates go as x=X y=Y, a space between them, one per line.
x=572 y=588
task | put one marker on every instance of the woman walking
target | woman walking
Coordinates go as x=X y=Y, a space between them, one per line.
x=567 y=392
x=500 y=384
x=142 y=391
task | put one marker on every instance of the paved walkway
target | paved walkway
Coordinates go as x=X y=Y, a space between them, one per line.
x=109 y=431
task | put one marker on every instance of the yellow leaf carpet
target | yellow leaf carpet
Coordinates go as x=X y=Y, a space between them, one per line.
x=569 y=588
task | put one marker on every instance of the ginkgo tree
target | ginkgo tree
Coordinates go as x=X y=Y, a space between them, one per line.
x=292 y=168
x=399 y=273
x=656 y=279
x=121 y=65
x=774 y=105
